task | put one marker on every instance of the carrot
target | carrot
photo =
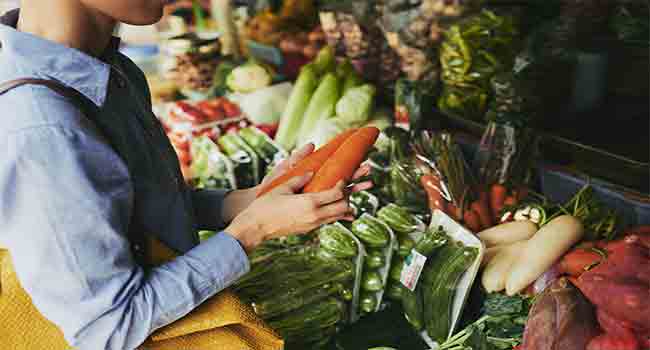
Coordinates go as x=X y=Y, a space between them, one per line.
x=497 y=197
x=483 y=213
x=510 y=201
x=472 y=220
x=578 y=261
x=454 y=211
x=311 y=163
x=431 y=185
x=521 y=193
x=345 y=161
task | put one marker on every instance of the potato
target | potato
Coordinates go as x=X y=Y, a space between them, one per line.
x=507 y=233
x=497 y=270
x=543 y=250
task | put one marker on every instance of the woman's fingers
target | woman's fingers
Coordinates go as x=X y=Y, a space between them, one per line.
x=300 y=153
x=340 y=208
x=294 y=184
x=362 y=171
x=330 y=196
x=362 y=186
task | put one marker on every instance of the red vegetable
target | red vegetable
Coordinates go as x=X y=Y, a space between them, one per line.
x=190 y=113
x=510 y=201
x=431 y=184
x=345 y=161
x=579 y=260
x=483 y=213
x=497 y=198
x=472 y=221
x=231 y=109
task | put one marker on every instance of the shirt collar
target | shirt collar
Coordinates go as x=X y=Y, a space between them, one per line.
x=75 y=69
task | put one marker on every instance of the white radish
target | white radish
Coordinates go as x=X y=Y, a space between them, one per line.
x=491 y=252
x=507 y=233
x=496 y=272
x=543 y=250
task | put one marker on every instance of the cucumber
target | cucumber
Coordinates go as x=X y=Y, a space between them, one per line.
x=406 y=244
x=288 y=300
x=444 y=288
x=413 y=308
x=371 y=282
x=368 y=302
x=428 y=276
x=394 y=290
x=398 y=218
x=322 y=315
x=375 y=259
x=370 y=232
x=336 y=242
x=395 y=273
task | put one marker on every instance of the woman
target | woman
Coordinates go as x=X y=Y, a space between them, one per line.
x=86 y=172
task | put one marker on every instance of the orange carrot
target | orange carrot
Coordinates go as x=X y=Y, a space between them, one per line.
x=521 y=193
x=497 y=197
x=454 y=211
x=472 y=220
x=431 y=184
x=345 y=161
x=483 y=213
x=311 y=163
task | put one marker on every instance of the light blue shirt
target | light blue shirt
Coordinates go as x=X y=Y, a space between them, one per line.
x=68 y=200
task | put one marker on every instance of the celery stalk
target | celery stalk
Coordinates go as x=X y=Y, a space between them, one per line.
x=321 y=106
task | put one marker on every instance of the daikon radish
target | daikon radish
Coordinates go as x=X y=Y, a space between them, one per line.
x=508 y=233
x=496 y=272
x=543 y=250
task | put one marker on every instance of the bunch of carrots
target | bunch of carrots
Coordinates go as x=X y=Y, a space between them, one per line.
x=335 y=161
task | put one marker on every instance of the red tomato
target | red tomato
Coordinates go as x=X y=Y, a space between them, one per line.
x=231 y=109
x=180 y=141
x=189 y=112
x=212 y=112
x=269 y=129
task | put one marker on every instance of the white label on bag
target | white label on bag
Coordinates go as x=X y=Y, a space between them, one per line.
x=413 y=265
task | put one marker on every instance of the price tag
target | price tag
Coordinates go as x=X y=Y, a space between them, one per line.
x=266 y=53
x=413 y=265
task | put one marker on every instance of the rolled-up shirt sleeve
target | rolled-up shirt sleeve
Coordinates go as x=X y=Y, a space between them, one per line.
x=208 y=207
x=66 y=204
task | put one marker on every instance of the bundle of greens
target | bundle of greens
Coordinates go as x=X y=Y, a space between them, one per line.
x=473 y=51
x=500 y=328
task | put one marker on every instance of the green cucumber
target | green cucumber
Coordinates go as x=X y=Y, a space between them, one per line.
x=371 y=281
x=413 y=307
x=288 y=300
x=375 y=259
x=368 y=302
x=371 y=232
x=406 y=244
x=395 y=272
x=339 y=244
x=443 y=291
x=394 y=290
x=321 y=315
x=398 y=218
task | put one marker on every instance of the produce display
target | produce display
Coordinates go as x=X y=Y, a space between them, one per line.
x=463 y=244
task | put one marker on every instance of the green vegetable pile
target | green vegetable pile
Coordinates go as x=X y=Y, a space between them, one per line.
x=500 y=328
x=473 y=51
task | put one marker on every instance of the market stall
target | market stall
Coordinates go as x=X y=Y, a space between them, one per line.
x=488 y=226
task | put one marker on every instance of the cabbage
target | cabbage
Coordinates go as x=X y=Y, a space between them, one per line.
x=325 y=130
x=355 y=106
x=264 y=106
x=248 y=77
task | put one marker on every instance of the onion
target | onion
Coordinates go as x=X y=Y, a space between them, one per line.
x=546 y=279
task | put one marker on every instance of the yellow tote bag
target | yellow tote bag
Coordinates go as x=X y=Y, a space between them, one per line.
x=221 y=323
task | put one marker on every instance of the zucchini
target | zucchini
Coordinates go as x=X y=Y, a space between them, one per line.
x=371 y=232
x=398 y=218
x=406 y=244
x=322 y=315
x=375 y=259
x=443 y=291
x=395 y=273
x=394 y=290
x=288 y=300
x=336 y=242
x=368 y=302
x=372 y=282
x=412 y=305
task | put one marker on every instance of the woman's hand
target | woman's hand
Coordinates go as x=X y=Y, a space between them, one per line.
x=281 y=212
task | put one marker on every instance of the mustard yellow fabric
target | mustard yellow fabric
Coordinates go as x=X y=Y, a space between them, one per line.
x=221 y=323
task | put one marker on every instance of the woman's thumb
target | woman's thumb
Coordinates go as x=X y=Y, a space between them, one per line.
x=295 y=184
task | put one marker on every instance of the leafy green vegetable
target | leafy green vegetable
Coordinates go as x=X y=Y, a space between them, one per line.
x=355 y=106
x=210 y=167
x=249 y=77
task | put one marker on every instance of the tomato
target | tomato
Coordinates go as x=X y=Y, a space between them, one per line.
x=269 y=129
x=180 y=141
x=231 y=109
x=188 y=112
x=211 y=111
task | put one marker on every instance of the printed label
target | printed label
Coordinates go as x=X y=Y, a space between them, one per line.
x=413 y=265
